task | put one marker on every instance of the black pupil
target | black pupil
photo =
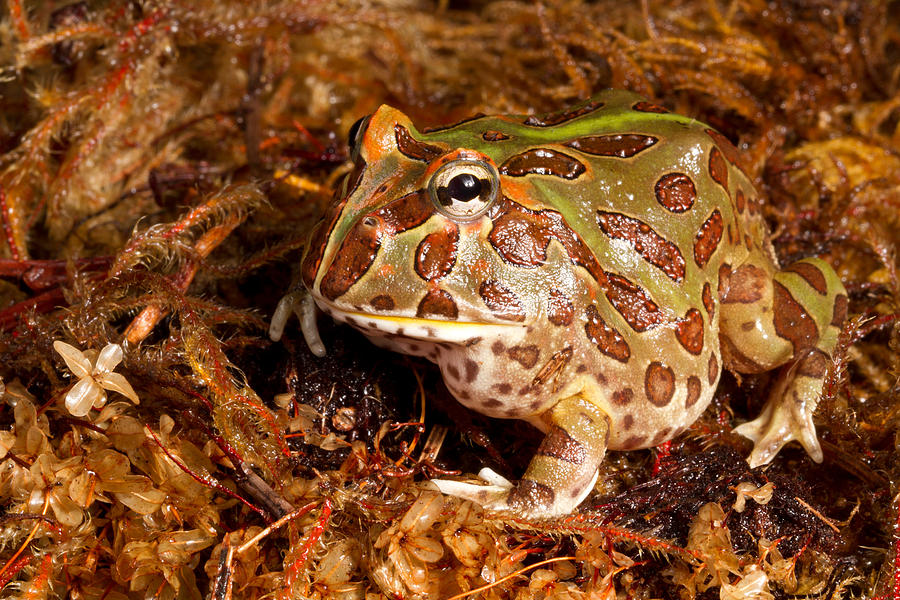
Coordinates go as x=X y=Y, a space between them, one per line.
x=464 y=187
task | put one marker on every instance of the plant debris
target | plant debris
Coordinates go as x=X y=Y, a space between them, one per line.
x=161 y=165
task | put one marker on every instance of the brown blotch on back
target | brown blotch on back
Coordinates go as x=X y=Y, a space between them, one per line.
x=713 y=372
x=493 y=135
x=503 y=302
x=413 y=148
x=622 y=397
x=727 y=148
x=841 y=304
x=609 y=341
x=525 y=355
x=452 y=372
x=437 y=303
x=560 y=445
x=659 y=384
x=655 y=249
x=627 y=422
x=811 y=274
x=718 y=168
x=675 y=192
x=694 y=387
x=562 y=116
x=791 y=320
x=814 y=364
x=492 y=403
x=689 y=331
x=521 y=236
x=649 y=107
x=502 y=388
x=436 y=253
x=542 y=161
x=708 y=238
x=497 y=347
x=560 y=310
x=620 y=145
x=708 y=302
x=633 y=303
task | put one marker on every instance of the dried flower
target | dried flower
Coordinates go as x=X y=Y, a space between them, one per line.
x=94 y=373
x=753 y=585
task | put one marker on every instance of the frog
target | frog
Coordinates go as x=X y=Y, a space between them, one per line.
x=590 y=271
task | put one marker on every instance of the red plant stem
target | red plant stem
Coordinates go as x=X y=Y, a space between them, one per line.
x=292 y=573
x=42 y=303
x=42 y=274
x=7 y=227
x=17 y=13
x=14 y=569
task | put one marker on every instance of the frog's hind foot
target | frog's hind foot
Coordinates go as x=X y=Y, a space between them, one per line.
x=787 y=416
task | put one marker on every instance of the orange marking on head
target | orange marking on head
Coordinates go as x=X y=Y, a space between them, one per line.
x=519 y=190
x=386 y=271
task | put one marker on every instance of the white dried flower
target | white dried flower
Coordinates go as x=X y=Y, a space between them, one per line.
x=753 y=585
x=95 y=376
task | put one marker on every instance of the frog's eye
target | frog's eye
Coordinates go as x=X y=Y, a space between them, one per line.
x=354 y=138
x=464 y=189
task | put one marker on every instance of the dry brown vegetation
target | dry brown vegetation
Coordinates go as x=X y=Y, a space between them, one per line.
x=160 y=164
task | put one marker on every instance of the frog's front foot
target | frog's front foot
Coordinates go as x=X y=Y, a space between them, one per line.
x=492 y=496
x=561 y=474
x=298 y=302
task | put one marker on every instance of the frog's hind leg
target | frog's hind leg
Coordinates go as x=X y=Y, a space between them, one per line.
x=789 y=318
x=562 y=472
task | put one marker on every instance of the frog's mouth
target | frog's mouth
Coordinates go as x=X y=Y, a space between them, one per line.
x=419 y=328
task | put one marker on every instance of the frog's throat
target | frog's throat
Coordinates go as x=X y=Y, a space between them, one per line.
x=432 y=330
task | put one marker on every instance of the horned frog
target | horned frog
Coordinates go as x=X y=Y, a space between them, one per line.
x=590 y=271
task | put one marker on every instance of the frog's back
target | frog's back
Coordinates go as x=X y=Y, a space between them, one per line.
x=662 y=206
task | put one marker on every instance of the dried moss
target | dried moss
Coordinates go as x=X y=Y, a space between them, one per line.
x=161 y=164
